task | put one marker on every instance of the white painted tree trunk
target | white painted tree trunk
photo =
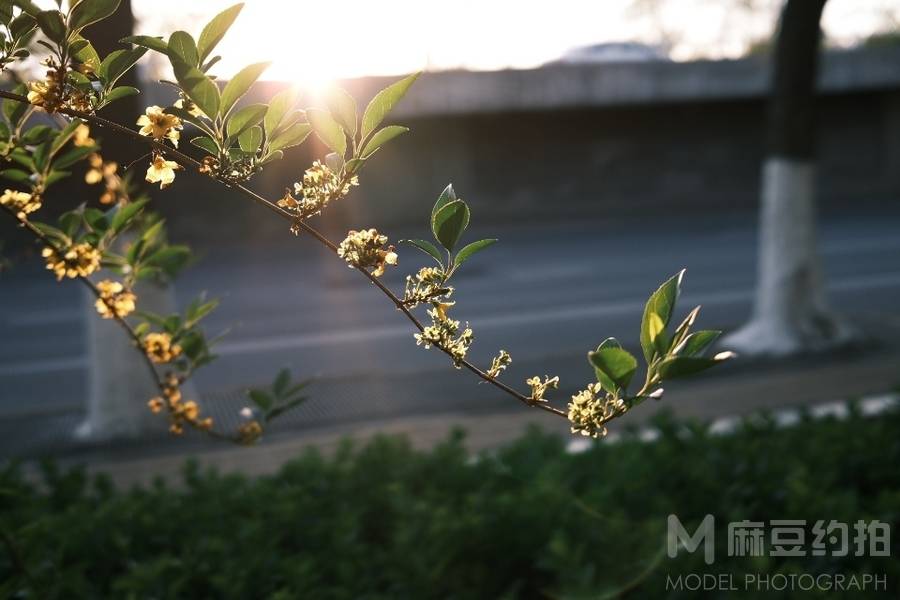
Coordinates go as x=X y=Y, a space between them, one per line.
x=790 y=313
x=119 y=383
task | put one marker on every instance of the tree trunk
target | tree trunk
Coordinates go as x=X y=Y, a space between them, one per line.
x=790 y=313
x=119 y=385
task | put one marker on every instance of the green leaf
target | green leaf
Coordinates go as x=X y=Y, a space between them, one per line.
x=117 y=64
x=426 y=247
x=449 y=223
x=383 y=102
x=206 y=144
x=279 y=107
x=281 y=383
x=283 y=408
x=343 y=109
x=16 y=175
x=682 y=366
x=447 y=196
x=147 y=41
x=657 y=314
x=292 y=136
x=251 y=139
x=271 y=156
x=327 y=130
x=183 y=49
x=614 y=366
x=73 y=156
x=245 y=118
x=88 y=12
x=124 y=214
x=697 y=342
x=200 y=89
x=240 y=84
x=261 y=399
x=64 y=136
x=216 y=29
x=84 y=53
x=52 y=24
x=22 y=26
x=381 y=137
x=117 y=93
x=471 y=249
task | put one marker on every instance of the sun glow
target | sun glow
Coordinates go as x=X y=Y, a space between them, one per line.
x=311 y=44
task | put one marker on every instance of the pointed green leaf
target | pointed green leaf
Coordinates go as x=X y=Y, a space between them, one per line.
x=88 y=12
x=450 y=222
x=117 y=63
x=64 y=136
x=147 y=41
x=294 y=135
x=240 y=84
x=682 y=366
x=657 y=314
x=123 y=91
x=697 y=342
x=261 y=399
x=206 y=144
x=281 y=104
x=426 y=247
x=200 y=89
x=52 y=25
x=327 y=130
x=245 y=118
x=471 y=249
x=216 y=29
x=447 y=196
x=383 y=102
x=251 y=139
x=183 y=48
x=616 y=363
x=343 y=109
x=83 y=52
x=381 y=137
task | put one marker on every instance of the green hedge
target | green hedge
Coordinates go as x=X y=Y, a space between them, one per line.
x=387 y=521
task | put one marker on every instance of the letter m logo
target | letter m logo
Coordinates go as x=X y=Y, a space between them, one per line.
x=705 y=533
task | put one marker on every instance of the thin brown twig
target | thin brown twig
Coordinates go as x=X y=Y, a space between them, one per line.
x=291 y=218
x=135 y=338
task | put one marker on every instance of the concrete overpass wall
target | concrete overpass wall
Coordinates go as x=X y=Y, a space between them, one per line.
x=595 y=141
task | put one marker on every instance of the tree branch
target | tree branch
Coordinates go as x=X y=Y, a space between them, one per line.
x=289 y=217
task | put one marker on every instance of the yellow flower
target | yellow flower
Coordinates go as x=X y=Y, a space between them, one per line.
x=320 y=186
x=114 y=300
x=22 y=202
x=79 y=260
x=365 y=250
x=539 y=388
x=159 y=125
x=156 y=405
x=591 y=409
x=160 y=349
x=499 y=363
x=45 y=94
x=249 y=432
x=190 y=410
x=162 y=171
x=82 y=136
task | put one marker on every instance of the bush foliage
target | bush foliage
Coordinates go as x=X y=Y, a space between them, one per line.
x=387 y=521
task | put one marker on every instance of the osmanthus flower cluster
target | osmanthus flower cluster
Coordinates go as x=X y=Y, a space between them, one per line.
x=237 y=139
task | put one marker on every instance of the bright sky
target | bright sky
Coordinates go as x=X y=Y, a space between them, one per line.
x=311 y=42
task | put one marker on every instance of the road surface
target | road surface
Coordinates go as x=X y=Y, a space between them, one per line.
x=546 y=293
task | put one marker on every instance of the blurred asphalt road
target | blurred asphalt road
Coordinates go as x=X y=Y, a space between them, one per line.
x=547 y=294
